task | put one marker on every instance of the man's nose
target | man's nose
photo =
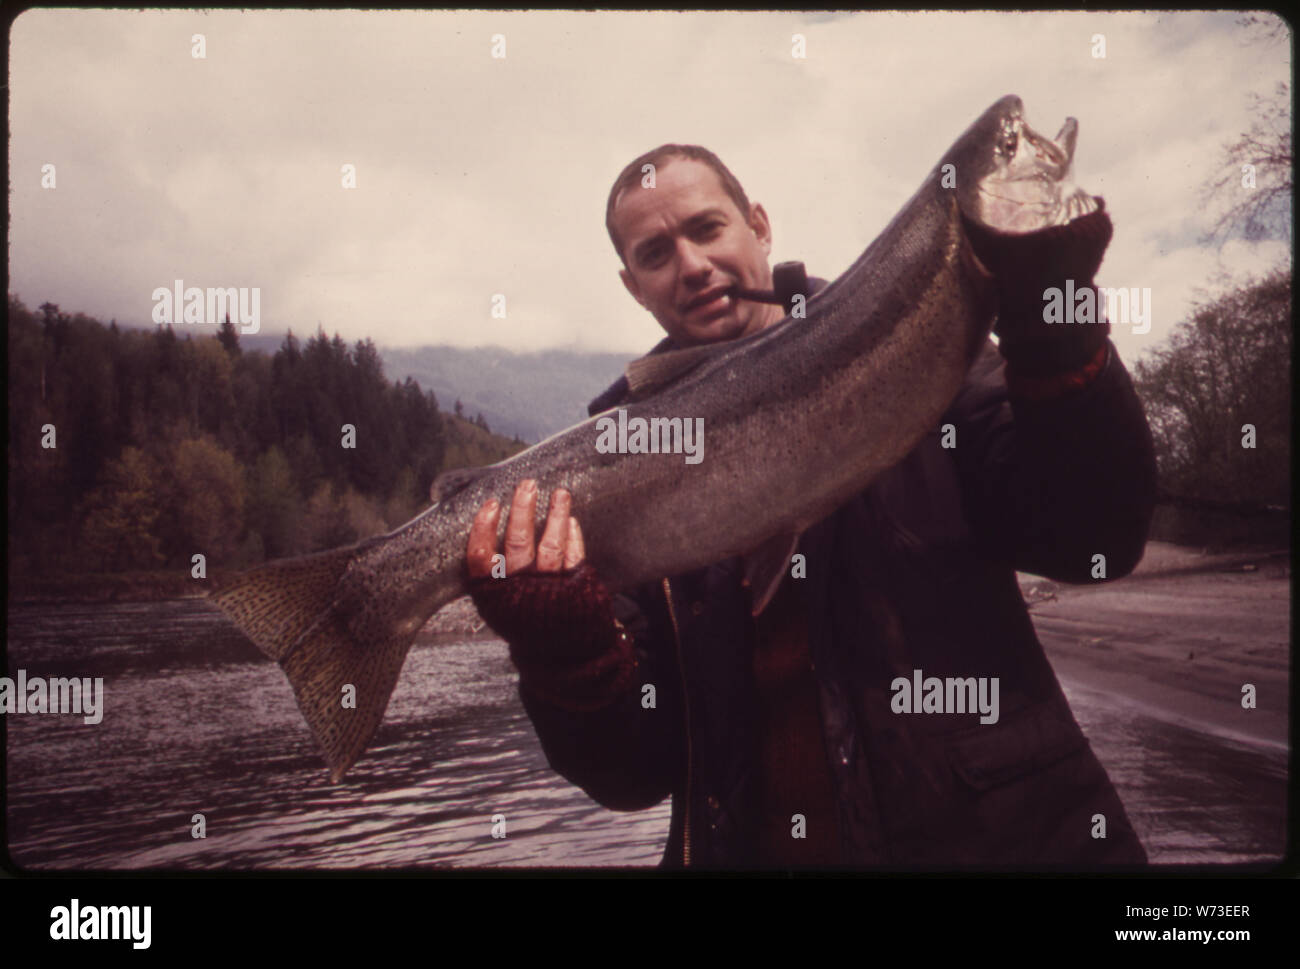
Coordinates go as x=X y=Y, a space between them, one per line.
x=694 y=261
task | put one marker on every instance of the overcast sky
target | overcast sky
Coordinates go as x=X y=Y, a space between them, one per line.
x=479 y=175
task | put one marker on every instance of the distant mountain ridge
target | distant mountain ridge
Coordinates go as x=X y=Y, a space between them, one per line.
x=525 y=395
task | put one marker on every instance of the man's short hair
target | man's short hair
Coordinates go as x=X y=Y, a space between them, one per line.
x=631 y=176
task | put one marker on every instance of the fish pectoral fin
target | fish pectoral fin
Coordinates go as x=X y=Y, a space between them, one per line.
x=450 y=482
x=766 y=566
x=650 y=373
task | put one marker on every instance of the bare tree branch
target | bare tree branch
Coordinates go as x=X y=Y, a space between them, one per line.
x=1256 y=201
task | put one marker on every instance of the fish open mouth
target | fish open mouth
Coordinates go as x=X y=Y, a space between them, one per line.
x=1035 y=154
x=1029 y=186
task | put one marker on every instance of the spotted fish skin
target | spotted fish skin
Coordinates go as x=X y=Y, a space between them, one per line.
x=798 y=418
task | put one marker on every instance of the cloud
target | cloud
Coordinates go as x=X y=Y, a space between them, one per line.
x=478 y=175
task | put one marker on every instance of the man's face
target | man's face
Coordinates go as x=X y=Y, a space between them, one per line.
x=685 y=242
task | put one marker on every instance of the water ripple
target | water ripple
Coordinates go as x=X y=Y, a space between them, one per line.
x=196 y=721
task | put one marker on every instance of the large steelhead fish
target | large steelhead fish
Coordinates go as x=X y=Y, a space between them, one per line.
x=796 y=420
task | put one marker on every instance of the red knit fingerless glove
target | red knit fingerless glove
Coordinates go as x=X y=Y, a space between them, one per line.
x=1024 y=265
x=564 y=640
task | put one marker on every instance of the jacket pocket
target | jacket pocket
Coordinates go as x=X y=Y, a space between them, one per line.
x=1027 y=741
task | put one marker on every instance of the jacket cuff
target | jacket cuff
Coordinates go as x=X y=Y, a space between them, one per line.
x=585 y=687
x=1048 y=388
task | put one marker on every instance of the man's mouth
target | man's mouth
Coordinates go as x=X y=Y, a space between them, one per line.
x=713 y=299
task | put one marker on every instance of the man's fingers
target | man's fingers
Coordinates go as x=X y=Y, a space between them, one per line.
x=573 y=549
x=483 y=539
x=561 y=545
x=519 y=528
x=550 y=550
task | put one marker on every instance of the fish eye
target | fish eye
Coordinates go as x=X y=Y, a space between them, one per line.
x=1008 y=139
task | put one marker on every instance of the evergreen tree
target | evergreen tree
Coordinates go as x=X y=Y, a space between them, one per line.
x=167 y=447
x=229 y=338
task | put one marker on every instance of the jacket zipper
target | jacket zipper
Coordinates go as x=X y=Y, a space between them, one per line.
x=686 y=706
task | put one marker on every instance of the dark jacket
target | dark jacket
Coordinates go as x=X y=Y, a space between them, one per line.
x=917 y=572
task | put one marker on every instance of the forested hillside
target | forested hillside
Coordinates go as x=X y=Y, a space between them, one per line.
x=135 y=450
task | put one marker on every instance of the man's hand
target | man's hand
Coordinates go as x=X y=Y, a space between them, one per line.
x=551 y=607
x=560 y=547
x=1027 y=264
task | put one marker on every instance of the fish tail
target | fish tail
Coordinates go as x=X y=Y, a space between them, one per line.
x=342 y=685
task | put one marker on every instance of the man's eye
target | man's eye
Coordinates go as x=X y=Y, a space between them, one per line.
x=653 y=257
x=709 y=229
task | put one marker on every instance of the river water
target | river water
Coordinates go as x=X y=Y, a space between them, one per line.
x=196 y=721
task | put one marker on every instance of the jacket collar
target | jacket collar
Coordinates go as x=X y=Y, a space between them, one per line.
x=617 y=392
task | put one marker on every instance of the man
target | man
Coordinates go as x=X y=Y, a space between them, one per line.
x=785 y=740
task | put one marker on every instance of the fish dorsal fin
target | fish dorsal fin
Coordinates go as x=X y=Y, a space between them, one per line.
x=650 y=373
x=450 y=482
x=766 y=566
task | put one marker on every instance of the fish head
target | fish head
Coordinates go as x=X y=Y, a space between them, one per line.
x=1014 y=179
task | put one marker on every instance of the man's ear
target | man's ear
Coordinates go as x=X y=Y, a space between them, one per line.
x=762 y=227
x=632 y=286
